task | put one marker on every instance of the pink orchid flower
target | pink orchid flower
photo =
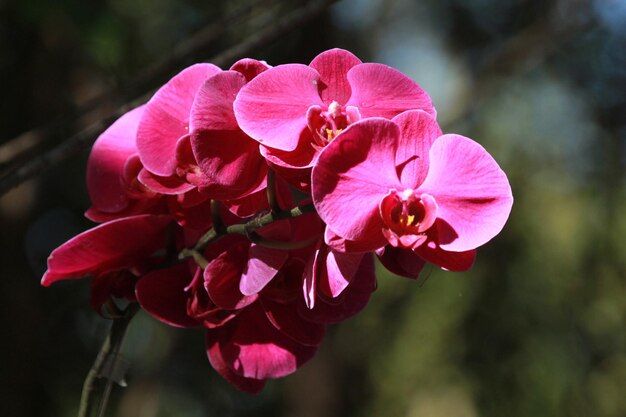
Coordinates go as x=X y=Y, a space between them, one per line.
x=294 y=110
x=402 y=183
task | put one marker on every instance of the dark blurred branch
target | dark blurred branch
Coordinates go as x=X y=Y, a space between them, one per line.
x=85 y=137
x=28 y=143
x=108 y=355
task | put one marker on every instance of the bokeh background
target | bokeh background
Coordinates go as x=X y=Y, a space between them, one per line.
x=536 y=328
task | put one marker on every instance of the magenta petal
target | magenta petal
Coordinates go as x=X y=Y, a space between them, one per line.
x=400 y=261
x=166 y=118
x=340 y=244
x=451 y=261
x=249 y=385
x=350 y=302
x=172 y=185
x=110 y=246
x=379 y=90
x=249 y=67
x=231 y=162
x=222 y=277
x=353 y=173
x=418 y=131
x=106 y=162
x=256 y=349
x=162 y=294
x=272 y=107
x=309 y=282
x=212 y=107
x=473 y=194
x=339 y=271
x=263 y=264
x=333 y=66
x=285 y=318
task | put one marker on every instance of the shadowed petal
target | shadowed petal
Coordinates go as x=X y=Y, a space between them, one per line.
x=285 y=318
x=418 y=131
x=105 y=166
x=400 y=261
x=172 y=185
x=254 y=348
x=249 y=385
x=451 y=261
x=162 y=294
x=353 y=299
x=249 y=67
x=223 y=274
x=263 y=264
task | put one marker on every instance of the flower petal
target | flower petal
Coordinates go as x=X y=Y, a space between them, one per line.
x=263 y=264
x=162 y=294
x=400 y=261
x=352 y=175
x=254 y=348
x=272 y=107
x=338 y=270
x=451 y=261
x=249 y=385
x=350 y=302
x=285 y=318
x=249 y=67
x=333 y=66
x=473 y=194
x=223 y=274
x=166 y=118
x=379 y=90
x=172 y=185
x=418 y=131
x=110 y=246
x=105 y=166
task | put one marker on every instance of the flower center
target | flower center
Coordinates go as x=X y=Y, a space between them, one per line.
x=325 y=125
x=407 y=217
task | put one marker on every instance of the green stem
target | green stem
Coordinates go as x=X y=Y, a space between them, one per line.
x=108 y=352
x=247 y=229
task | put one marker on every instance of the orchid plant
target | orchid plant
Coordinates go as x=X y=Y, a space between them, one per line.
x=251 y=202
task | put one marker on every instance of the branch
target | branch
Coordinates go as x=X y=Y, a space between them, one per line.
x=248 y=230
x=85 y=137
x=108 y=354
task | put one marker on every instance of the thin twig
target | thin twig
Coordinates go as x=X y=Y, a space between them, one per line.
x=85 y=137
x=110 y=349
x=248 y=229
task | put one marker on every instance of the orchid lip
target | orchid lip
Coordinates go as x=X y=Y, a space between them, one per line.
x=407 y=216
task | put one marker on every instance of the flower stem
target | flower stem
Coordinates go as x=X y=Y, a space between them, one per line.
x=247 y=229
x=108 y=355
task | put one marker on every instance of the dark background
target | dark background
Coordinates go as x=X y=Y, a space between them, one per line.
x=536 y=328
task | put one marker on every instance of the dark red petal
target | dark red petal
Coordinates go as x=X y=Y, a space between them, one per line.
x=400 y=261
x=110 y=246
x=285 y=318
x=254 y=348
x=350 y=302
x=249 y=385
x=162 y=293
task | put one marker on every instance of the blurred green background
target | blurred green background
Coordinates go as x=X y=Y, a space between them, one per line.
x=536 y=328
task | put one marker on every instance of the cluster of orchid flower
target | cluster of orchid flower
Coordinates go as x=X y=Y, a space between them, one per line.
x=250 y=202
